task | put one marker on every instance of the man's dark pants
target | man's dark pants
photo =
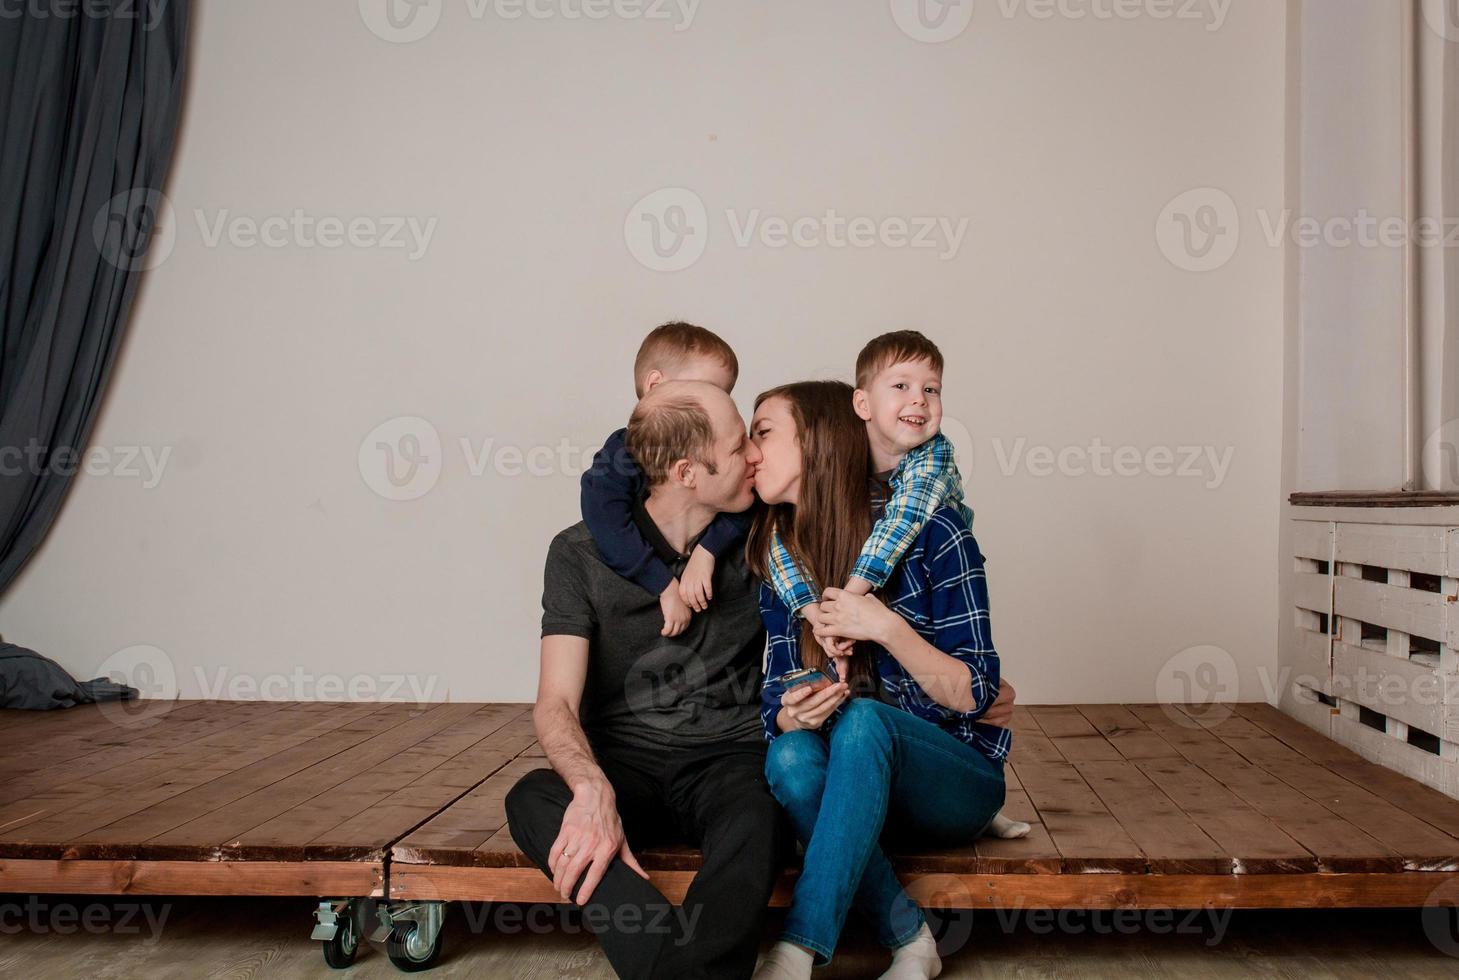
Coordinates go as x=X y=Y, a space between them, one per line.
x=714 y=797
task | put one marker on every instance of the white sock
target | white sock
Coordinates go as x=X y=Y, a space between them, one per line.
x=918 y=960
x=1006 y=828
x=785 y=961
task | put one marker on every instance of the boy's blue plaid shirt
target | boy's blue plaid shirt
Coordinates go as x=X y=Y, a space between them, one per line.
x=941 y=590
x=925 y=480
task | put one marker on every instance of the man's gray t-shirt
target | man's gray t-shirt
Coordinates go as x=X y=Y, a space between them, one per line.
x=644 y=689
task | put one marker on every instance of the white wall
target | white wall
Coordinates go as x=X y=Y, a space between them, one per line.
x=1352 y=146
x=1352 y=297
x=264 y=551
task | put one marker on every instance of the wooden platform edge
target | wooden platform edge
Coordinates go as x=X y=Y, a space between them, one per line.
x=254 y=878
x=1407 y=889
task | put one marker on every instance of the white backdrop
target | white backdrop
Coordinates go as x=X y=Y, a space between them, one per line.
x=1115 y=365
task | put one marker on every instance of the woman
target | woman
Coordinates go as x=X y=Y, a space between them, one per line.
x=911 y=752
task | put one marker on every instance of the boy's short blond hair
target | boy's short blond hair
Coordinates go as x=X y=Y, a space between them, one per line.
x=897 y=347
x=669 y=346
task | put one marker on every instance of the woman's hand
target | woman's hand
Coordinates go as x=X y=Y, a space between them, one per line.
x=802 y=708
x=855 y=617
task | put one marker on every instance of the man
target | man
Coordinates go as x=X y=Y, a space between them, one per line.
x=651 y=736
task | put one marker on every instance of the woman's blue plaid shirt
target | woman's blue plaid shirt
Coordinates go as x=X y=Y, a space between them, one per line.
x=940 y=588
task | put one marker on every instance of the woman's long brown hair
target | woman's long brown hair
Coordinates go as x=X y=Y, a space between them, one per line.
x=826 y=529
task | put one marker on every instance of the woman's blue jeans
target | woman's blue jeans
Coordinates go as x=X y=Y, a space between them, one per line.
x=881 y=767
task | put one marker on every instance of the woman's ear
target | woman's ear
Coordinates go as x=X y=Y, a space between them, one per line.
x=862 y=404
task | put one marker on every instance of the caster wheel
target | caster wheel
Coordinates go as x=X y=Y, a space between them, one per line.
x=340 y=951
x=408 y=952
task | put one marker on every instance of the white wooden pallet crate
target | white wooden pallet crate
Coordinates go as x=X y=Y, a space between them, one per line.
x=1372 y=646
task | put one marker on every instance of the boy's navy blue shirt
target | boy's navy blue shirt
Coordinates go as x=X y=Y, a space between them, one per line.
x=611 y=488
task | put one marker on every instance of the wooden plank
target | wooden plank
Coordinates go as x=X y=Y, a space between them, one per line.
x=1034 y=748
x=1440 y=811
x=1012 y=891
x=1413 y=549
x=1337 y=845
x=1423 y=847
x=221 y=826
x=1311 y=590
x=1312 y=539
x=1034 y=854
x=1127 y=733
x=1086 y=748
x=1023 y=723
x=1061 y=720
x=203 y=779
x=432 y=767
x=1413 y=611
x=457 y=835
x=1087 y=835
x=80 y=735
x=1256 y=844
x=1376 y=499
x=1398 y=687
x=264 y=878
x=87 y=777
x=385 y=821
x=1110 y=719
x=1172 y=842
x=1395 y=754
x=1308 y=654
x=165 y=772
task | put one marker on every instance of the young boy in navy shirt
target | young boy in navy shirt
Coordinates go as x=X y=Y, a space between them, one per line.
x=614 y=483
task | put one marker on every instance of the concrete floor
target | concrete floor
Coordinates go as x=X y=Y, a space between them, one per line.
x=193 y=938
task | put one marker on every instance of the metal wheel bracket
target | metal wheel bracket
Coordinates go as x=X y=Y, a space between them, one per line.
x=428 y=917
x=328 y=916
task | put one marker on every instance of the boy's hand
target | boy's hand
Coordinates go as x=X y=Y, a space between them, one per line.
x=856 y=585
x=676 y=613
x=1000 y=712
x=695 y=585
x=838 y=651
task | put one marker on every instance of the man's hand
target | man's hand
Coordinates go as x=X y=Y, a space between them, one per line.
x=802 y=708
x=590 y=838
x=695 y=584
x=676 y=613
x=1000 y=712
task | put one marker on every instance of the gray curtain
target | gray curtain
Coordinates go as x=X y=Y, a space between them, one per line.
x=89 y=99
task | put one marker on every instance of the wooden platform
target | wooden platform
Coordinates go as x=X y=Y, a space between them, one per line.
x=1132 y=806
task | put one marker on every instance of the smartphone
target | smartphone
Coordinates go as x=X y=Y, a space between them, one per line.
x=806 y=675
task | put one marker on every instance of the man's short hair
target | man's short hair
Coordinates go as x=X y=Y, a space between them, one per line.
x=669 y=346
x=667 y=428
x=896 y=347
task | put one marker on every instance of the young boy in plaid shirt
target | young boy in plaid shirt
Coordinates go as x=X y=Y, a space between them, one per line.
x=899 y=395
